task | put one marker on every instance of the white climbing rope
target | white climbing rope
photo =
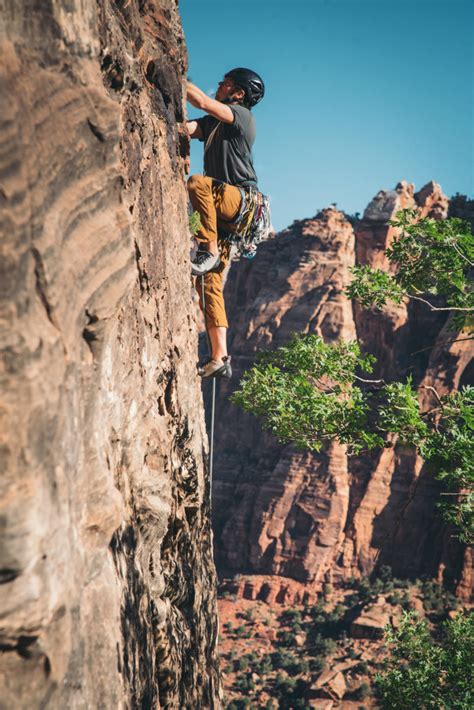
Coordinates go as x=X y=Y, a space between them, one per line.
x=211 y=445
x=213 y=405
x=211 y=454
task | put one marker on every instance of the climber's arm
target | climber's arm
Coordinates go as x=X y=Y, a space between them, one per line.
x=194 y=129
x=199 y=99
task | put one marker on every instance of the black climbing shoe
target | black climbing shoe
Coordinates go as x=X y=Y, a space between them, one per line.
x=211 y=368
x=203 y=262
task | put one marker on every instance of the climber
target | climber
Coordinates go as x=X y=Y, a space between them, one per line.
x=228 y=133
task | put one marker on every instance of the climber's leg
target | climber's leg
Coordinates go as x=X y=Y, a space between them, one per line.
x=214 y=201
x=218 y=338
x=215 y=313
x=201 y=197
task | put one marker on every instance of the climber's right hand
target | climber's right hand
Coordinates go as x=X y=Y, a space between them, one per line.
x=194 y=129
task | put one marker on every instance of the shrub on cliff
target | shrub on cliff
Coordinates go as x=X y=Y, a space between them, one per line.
x=244 y=684
x=265 y=666
x=290 y=616
x=287 y=661
x=240 y=704
x=242 y=632
x=436 y=599
x=318 y=645
x=286 y=638
x=194 y=222
x=395 y=598
x=248 y=614
x=317 y=664
x=241 y=664
x=427 y=674
x=291 y=692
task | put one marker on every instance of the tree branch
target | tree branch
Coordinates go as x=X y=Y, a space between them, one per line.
x=463 y=256
x=432 y=389
x=436 y=308
x=370 y=382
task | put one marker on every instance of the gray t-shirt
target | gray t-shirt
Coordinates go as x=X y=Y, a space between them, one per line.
x=228 y=147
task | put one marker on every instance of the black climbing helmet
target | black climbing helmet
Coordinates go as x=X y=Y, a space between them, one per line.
x=250 y=82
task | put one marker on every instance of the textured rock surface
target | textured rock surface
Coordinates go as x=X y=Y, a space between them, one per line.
x=271 y=589
x=374 y=618
x=323 y=517
x=108 y=594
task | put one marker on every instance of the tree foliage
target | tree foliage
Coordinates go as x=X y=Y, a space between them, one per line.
x=308 y=392
x=427 y=674
x=303 y=391
x=449 y=451
x=430 y=258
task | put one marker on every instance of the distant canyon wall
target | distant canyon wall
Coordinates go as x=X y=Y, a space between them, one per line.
x=325 y=517
x=108 y=584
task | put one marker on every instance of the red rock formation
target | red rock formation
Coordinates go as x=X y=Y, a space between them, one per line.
x=269 y=589
x=374 y=618
x=317 y=517
x=291 y=507
x=108 y=594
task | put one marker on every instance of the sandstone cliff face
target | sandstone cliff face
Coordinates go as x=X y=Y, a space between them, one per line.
x=107 y=575
x=315 y=517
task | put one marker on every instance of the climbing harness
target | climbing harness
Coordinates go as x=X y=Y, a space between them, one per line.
x=253 y=223
x=213 y=404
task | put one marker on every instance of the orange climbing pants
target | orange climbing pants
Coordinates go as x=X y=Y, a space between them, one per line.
x=217 y=203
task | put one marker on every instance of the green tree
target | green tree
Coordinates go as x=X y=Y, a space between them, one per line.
x=309 y=392
x=305 y=395
x=427 y=674
x=430 y=258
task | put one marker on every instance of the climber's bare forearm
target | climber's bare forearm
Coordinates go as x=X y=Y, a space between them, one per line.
x=200 y=100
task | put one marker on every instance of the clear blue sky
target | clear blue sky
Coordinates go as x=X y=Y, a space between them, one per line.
x=360 y=94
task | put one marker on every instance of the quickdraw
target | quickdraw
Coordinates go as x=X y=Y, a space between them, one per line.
x=253 y=223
